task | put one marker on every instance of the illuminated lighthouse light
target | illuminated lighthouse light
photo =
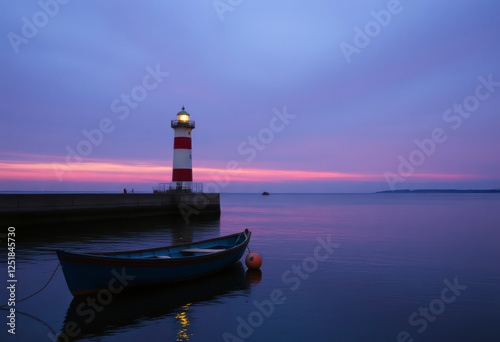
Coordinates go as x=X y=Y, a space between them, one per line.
x=183 y=117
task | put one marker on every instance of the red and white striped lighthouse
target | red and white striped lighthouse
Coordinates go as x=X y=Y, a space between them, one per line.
x=182 y=168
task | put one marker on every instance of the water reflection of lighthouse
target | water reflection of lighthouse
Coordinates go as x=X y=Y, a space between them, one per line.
x=182 y=319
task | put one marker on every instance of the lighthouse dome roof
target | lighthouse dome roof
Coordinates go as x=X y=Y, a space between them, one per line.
x=183 y=111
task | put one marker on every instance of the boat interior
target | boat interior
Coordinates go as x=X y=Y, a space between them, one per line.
x=190 y=250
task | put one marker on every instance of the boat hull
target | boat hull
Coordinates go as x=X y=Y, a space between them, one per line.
x=87 y=273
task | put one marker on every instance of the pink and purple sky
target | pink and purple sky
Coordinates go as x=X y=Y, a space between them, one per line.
x=323 y=96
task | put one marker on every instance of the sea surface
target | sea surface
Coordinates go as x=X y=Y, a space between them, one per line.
x=336 y=267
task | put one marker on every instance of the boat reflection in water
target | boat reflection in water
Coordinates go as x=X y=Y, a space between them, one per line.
x=94 y=315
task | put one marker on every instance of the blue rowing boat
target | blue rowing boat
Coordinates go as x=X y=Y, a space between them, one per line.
x=114 y=271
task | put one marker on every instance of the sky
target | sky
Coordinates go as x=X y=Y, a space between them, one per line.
x=287 y=96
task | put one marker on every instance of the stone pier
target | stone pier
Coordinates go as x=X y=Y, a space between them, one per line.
x=72 y=207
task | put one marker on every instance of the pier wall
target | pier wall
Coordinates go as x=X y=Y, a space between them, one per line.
x=32 y=208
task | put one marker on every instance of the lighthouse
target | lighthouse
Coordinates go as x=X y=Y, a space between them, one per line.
x=182 y=170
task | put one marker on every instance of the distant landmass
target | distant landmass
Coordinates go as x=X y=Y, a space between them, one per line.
x=439 y=191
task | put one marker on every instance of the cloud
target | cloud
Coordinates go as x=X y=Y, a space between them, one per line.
x=137 y=172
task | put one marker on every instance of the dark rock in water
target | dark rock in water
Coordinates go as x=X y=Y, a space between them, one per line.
x=265 y=193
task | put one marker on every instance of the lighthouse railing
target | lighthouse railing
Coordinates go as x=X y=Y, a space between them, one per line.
x=180 y=123
x=178 y=187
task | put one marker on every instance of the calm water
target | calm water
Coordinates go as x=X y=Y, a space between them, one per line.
x=421 y=266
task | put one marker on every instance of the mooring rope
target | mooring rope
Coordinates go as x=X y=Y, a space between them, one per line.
x=52 y=276
x=36 y=319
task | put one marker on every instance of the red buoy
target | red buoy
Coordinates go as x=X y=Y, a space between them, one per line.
x=253 y=261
